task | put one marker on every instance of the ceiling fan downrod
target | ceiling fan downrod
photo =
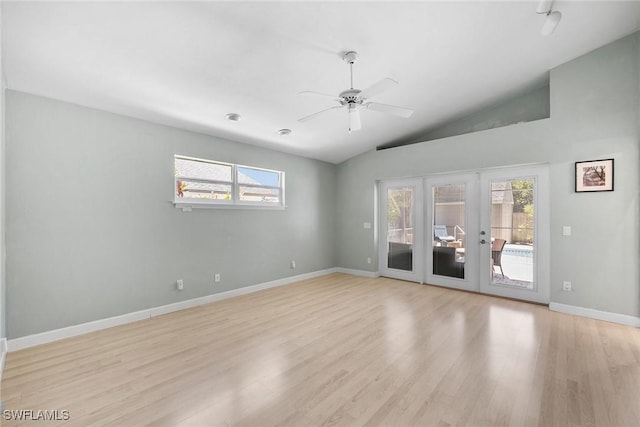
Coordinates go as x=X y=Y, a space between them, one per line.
x=350 y=58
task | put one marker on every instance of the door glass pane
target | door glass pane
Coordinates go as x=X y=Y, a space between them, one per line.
x=448 y=230
x=512 y=232
x=400 y=228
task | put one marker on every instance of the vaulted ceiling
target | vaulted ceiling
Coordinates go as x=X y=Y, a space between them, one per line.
x=188 y=64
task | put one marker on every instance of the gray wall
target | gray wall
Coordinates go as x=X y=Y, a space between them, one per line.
x=3 y=329
x=527 y=106
x=534 y=105
x=91 y=233
x=594 y=115
x=3 y=282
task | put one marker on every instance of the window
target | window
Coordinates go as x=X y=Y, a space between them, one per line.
x=200 y=182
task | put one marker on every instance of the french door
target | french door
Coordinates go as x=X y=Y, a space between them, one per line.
x=485 y=232
x=451 y=226
x=400 y=250
x=514 y=233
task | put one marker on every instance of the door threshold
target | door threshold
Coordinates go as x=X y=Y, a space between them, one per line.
x=489 y=295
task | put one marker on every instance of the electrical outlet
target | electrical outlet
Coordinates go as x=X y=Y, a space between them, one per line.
x=368 y=260
x=216 y=278
x=566 y=286
x=292 y=265
x=180 y=284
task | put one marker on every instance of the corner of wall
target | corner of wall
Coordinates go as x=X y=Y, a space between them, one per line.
x=3 y=329
x=638 y=75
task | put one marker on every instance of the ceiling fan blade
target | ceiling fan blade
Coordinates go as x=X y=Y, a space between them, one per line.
x=382 y=86
x=389 y=109
x=326 y=95
x=311 y=116
x=354 y=119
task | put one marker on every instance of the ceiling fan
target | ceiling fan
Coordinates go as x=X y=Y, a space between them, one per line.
x=355 y=99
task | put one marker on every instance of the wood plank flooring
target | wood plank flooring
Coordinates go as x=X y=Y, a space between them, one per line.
x=339 y=350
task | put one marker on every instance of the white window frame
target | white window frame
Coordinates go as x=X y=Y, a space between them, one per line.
x=234 y=202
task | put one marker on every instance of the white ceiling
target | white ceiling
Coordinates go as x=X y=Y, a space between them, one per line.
x=187 y=64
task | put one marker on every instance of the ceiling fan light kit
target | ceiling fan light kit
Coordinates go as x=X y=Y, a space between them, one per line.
x=553 y=17
x=354 y=99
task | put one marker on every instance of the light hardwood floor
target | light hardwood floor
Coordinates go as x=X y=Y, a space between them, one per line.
x=339 y=350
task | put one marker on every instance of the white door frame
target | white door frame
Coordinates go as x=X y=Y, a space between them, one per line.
x=470 y=280
x=478 y=217
x=416 y=274
x=541 y=274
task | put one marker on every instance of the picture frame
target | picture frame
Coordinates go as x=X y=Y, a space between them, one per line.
x=594 y=175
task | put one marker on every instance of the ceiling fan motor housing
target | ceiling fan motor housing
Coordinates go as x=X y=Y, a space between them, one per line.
x=350 y=96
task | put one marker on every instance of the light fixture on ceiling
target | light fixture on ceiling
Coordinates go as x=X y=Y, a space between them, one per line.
x=233 y=117
x=545 y=7
x=284 y=132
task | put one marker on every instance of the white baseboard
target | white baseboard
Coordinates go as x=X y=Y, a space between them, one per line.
x=72 y=331
x=3 y=355
x=361 y=273
x=623 y=319
x=182 y=305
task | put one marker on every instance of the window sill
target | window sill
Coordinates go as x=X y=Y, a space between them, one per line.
x=189 y=206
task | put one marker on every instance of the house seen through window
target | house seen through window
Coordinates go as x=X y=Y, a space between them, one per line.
x=208 y=182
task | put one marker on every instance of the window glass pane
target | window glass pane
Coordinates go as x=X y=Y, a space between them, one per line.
x=200 y=190
x=258 y=177
x=259 y=194
x=202 y=170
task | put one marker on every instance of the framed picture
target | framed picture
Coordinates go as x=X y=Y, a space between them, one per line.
x=594 y=175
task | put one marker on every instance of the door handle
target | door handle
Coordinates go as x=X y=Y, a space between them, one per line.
x=483 y=241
